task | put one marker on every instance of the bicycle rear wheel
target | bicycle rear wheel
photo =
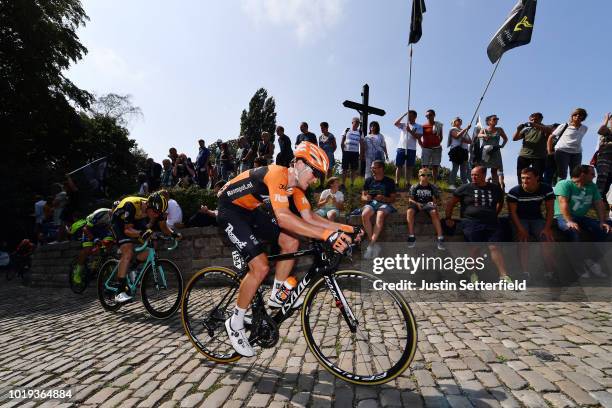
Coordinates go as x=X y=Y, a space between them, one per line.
x=384 y=342
x=162 y=289
x=208 y=301
x=105 y=293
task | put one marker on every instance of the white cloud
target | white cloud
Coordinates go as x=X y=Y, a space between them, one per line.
x=310 y=19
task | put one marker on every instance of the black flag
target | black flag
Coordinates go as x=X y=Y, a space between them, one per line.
x=515 y=31
x=416 y=29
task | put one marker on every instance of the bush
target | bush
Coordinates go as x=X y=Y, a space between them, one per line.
x=190 y=199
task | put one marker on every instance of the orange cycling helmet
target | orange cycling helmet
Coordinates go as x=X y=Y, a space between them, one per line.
x=313 y=156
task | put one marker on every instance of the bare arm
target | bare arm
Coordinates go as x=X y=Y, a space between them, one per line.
x=450 y=206
x=399 y=120
x=314 y=219
x=504 y=137
x=291 y=222
x=549 y=144
x=564 y=203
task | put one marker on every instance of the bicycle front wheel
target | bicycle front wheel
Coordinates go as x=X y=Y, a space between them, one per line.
x=162 y=289
x=106 y=293
x=208 y=301
x=384 y=339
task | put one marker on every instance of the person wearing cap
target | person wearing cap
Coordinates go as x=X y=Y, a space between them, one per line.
x=568 y=148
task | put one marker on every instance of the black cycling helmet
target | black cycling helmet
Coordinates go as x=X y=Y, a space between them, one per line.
x=157 y=202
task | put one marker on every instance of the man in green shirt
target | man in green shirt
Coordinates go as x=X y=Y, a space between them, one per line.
x=533 y=153
x=575 y=198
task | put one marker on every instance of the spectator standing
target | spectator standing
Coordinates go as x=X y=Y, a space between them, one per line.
x=244 y=155
x=481 y=203
x=201 y=164
x=533 y=153
x=305 y=135
x=424 y=196
x=458 y=153
x=378 y=194
x=525 y=208
x=491 y=149
x=352 y=143
x=183 y=172
x=265 y=148
x=375 y=146
x=327 y=142
x=284 y=157
x=226 y=161
x=39 y=215
x=405 y=156
x=153 y=173
x=575 y=197
x=331 y=200
x=604 y=155
x=173 y=155
x=432 y=144
x=568 y=145
x=212 y=175
x=143 y=186
x=167 y=179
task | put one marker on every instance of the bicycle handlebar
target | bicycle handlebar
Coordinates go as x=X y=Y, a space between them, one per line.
x=158 y=237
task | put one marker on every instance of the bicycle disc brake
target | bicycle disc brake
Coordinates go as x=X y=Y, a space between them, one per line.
x=265 y=331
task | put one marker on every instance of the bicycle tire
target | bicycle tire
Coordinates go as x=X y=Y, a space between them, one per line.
x=151 y=289
x=107 y=299
x=361 y=368
x=76 y=287
x=198 y=300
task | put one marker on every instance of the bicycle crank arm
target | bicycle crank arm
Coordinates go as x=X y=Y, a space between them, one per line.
x=341 y=303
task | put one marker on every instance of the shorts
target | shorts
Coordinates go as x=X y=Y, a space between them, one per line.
x=247 y=229
x=117 y=227
x=324 y=211
x=405 y=157
x=350 y=160
x=101 y=233
x=378 y=206
x=431 y=157
x=533 y=227
x=474 y=231
x=427 y=208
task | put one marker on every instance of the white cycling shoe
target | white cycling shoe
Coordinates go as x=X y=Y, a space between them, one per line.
x=239 y=340
x=122 y=297
x=275 y=305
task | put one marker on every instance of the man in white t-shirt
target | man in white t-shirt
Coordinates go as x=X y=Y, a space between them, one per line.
x=405 y=156
x=174 y=218
x=352 y=144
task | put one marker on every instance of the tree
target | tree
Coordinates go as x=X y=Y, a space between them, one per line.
x=260 y=117
x=38 y=119
x=118 y=107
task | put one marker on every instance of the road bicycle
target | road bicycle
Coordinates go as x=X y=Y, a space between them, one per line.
x=160 y=281
x=100 y=253
x=358 y=334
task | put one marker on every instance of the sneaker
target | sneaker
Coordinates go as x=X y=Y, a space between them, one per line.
x=411 y=242
x=123 y=297
x=596 y=269
x=376 y=250
x=368 y=252
x=506 y=278
x=440 y=244
x=474 y=277
x=239 y=340
x=76 y=277
x=273 y=303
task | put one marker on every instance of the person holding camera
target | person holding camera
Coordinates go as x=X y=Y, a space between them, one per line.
x=533 y=153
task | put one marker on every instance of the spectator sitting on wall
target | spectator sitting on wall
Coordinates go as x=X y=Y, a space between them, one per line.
x=378 y=194
x=575 y=197
x=481 y=202
x=424 y=196
x=331 y=200
x=174 y=216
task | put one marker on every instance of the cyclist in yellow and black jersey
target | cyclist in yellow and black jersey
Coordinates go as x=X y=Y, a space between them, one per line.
x=132 y=220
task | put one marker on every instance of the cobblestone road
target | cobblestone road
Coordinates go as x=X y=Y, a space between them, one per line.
x=481 y=354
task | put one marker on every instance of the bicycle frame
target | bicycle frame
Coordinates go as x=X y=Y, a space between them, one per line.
x=151 y=260
x=318 y=268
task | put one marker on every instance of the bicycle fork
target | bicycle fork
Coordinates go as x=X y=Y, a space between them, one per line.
x=341 y=303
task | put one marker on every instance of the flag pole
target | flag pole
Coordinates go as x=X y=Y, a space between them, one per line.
x=88 y=164
x=485 y=90
x=409 y=81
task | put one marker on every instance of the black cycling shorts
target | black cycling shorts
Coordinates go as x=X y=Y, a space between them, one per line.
x=247 y=230
x=118 y=226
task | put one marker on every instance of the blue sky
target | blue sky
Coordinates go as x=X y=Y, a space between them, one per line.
x=192 y=66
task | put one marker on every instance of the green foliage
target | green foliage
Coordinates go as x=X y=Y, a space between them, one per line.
x=190 y=199
x=260 y=117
